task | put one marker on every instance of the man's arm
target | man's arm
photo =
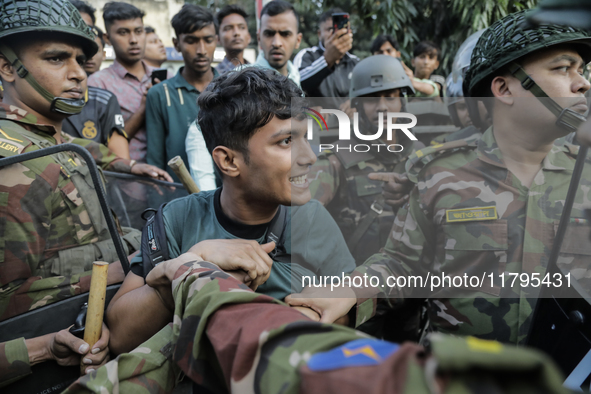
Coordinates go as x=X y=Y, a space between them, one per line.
x=427 y=87
x=406 y=252
x=19 y=355
x=112 y=120
x=155 y=130
x=136 y=121
x=312 y=73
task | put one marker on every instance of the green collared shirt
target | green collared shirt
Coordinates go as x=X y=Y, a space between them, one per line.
x=171 y=107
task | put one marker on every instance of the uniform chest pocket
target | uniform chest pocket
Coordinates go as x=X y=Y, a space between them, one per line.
x=478 y=236
x=476 y=248
x=78 y=219
x=366 y=187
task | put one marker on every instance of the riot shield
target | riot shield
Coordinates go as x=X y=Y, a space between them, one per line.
x=130 y=195
x=561 y=324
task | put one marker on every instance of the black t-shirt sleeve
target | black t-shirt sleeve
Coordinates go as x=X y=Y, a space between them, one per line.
x=113 y=119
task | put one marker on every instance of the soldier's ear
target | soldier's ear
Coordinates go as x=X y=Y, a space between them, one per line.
x=228 y=161
x=6 y=70
x=502 y=87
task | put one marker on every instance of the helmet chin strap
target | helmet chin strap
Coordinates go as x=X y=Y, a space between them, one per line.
x=60 y=105
x=566 y=118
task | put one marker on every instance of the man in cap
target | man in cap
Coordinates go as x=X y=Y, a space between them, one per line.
x=490 y=206
x=51 y=226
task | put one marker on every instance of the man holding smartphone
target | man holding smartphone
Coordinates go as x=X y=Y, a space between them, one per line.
x=326 y=69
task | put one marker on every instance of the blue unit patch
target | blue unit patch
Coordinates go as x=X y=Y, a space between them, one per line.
x=358 y=353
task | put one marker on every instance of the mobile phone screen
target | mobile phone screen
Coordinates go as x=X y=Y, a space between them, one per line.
x=340 y=20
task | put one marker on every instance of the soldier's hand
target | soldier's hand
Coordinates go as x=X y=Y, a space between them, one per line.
x=99 y=354
x=66 y=349
x=337 y=45
x=396 y=188
x=236 y=255
x=330 y=305
x=143 y=169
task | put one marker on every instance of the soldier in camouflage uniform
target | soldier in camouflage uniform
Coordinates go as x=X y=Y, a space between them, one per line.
x=350 y=184
x=51 y=225
x=275 y=349
x=509 y=187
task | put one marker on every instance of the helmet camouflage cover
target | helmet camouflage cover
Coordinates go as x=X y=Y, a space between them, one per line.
x=20 y=16
x=509 y=39
x=378 y=73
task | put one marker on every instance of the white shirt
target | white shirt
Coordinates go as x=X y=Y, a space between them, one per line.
x=200 y=161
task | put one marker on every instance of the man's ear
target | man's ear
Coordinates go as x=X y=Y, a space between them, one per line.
x=6 y=70
x=227 y=160
x=299 y=40
x=175 y=43
x=500 y=87
x=437 y=66
x=412 y=62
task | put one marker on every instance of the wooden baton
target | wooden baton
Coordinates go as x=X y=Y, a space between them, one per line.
x=96 y=306
x=178 y=166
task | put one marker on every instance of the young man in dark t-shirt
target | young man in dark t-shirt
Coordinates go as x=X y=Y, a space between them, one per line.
x=263 y=156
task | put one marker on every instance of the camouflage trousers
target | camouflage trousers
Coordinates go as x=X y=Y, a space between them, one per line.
x=230 y=339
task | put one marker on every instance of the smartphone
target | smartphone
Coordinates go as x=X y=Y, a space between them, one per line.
x=160 y=73
x=340 y=20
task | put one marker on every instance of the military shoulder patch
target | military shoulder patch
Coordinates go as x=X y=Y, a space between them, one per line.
x=358 y=353
x=419 y=159
x=11 y=143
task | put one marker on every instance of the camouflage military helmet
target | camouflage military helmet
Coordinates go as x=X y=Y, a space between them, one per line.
x=576 y=13
x=378 y=73
x=21 y=16
x=509 y=39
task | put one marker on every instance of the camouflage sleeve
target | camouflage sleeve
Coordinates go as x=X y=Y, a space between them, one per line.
x=103 y=156
x=324 y=179
x=407 y=252
x=14 y=361
x=261 y=354
x=19 y=297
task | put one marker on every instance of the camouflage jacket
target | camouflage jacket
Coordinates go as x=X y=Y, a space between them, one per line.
x=469 y=134
x=275 y=349
x=42 y=216
x=469 y=214
x=339 y=181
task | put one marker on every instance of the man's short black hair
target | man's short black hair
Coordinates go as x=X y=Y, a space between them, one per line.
x=149 y=29
x=238 y=103
x=120 y=11
x=328 y=15
x=278 y=7
x=428 y=47
x=229 y=10
x=84 y=7
x=380 y=40
x=192 y=18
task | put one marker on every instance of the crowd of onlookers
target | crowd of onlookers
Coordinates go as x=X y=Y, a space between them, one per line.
x=147 y=114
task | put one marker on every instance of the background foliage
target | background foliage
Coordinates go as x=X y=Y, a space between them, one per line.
x=446 y=22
